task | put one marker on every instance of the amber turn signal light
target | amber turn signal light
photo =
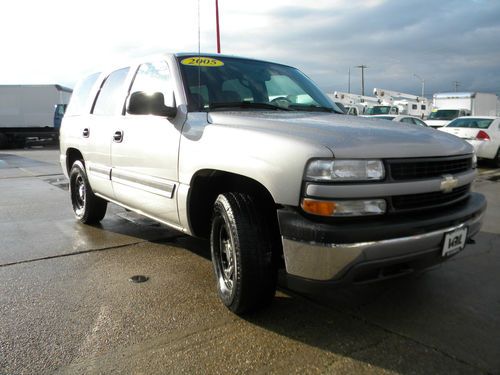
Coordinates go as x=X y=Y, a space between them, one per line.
x=315 y=207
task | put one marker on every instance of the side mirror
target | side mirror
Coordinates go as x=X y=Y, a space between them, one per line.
x=141 y=103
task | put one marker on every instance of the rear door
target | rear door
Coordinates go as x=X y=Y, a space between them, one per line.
x=145 y=151
x=107 y=112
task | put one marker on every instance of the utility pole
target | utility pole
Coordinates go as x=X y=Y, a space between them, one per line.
x=456 y=84
x=217 y=24
x=362 y=67
x=349 y=81
x=423 y=83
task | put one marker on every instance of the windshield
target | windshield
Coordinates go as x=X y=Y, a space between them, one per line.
x=444 y=114
x=379 y=110
x=221 y=83
x=474 y=123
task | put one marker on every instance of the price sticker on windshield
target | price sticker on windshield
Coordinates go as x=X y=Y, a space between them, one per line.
x=202 y=61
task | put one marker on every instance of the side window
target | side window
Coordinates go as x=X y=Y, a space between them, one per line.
x=80 y=95
x=419 y=122
x=155 y=77
x=110 y=99
x=407 y=120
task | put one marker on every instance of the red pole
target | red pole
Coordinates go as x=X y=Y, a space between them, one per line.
x=217 y=24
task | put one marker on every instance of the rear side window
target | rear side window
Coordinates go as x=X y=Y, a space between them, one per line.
x=110 y=99
x=474 y=123
x=80 y=96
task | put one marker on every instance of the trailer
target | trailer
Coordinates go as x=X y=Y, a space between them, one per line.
x=448 y=106
x=407 y=104
x=360 y=104
x=31 y=113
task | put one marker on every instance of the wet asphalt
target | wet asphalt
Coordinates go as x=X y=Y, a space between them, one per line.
x=68 y=306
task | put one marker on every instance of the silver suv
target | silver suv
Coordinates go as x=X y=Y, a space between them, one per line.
x=252 y=155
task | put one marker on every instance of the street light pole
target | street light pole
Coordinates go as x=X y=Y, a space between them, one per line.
x=349 y=81
x=456 y=84
x=362 y=67
x=423 y=83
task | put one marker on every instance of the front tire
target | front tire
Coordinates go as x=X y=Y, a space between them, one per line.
x=242 y=255
x=88 y=208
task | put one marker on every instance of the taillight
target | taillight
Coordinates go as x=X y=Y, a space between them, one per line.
x=482 y=136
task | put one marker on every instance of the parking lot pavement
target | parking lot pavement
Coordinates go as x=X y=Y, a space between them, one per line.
x=67 y=305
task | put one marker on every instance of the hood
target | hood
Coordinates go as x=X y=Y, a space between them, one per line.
x=348 y=136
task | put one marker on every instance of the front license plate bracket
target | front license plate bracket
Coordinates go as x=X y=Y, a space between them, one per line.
x=454 y=241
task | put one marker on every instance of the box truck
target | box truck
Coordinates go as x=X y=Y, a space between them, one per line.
x=448 y=106
x=31 y=113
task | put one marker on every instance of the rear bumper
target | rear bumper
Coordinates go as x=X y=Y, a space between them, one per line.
x=484 y=149
x=338 y=253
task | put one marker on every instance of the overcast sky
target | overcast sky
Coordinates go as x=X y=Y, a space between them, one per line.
x=58 y=41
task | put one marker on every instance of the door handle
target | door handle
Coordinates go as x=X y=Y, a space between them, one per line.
x=118 y=136
x=86 y=133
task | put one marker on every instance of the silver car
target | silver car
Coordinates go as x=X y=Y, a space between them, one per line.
x=254 y=157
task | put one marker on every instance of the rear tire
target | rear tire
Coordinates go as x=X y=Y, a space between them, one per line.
x=496 y=160
x=242 y=255
x=88 y=208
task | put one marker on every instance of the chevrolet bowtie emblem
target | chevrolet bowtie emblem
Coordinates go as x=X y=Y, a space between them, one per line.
x=448 y=183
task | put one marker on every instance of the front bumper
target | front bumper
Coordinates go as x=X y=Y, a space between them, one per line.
x=341 y=252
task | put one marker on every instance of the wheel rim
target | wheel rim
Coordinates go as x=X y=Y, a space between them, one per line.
x=226 y=260
x=78 y=194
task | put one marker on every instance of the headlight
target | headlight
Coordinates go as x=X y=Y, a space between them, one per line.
x=345 y=170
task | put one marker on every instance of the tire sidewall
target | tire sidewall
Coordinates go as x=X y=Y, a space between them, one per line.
x=78 y=169
x=221 y=217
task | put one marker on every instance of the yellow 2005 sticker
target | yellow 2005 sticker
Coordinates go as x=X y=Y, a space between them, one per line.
x=202 y=61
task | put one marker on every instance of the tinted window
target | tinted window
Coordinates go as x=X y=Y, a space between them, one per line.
x=220 y=81
x=408 y=120
x=443 y=114
x=80 y=95
x=475 y=123
x=419 y=122
x=110 y=99
x=154 y=77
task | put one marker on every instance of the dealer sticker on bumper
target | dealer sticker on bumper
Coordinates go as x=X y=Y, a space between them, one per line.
x=454 y=241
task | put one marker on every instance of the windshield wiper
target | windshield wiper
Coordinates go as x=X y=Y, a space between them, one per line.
x=246 y=105
x=313 y=108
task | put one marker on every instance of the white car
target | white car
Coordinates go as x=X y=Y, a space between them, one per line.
x=401 y=118
x=482 y=132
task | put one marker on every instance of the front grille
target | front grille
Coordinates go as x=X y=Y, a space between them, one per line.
x=415 y=169
x=428 y=200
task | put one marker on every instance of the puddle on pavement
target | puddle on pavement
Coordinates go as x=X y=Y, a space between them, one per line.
x=494 y=178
